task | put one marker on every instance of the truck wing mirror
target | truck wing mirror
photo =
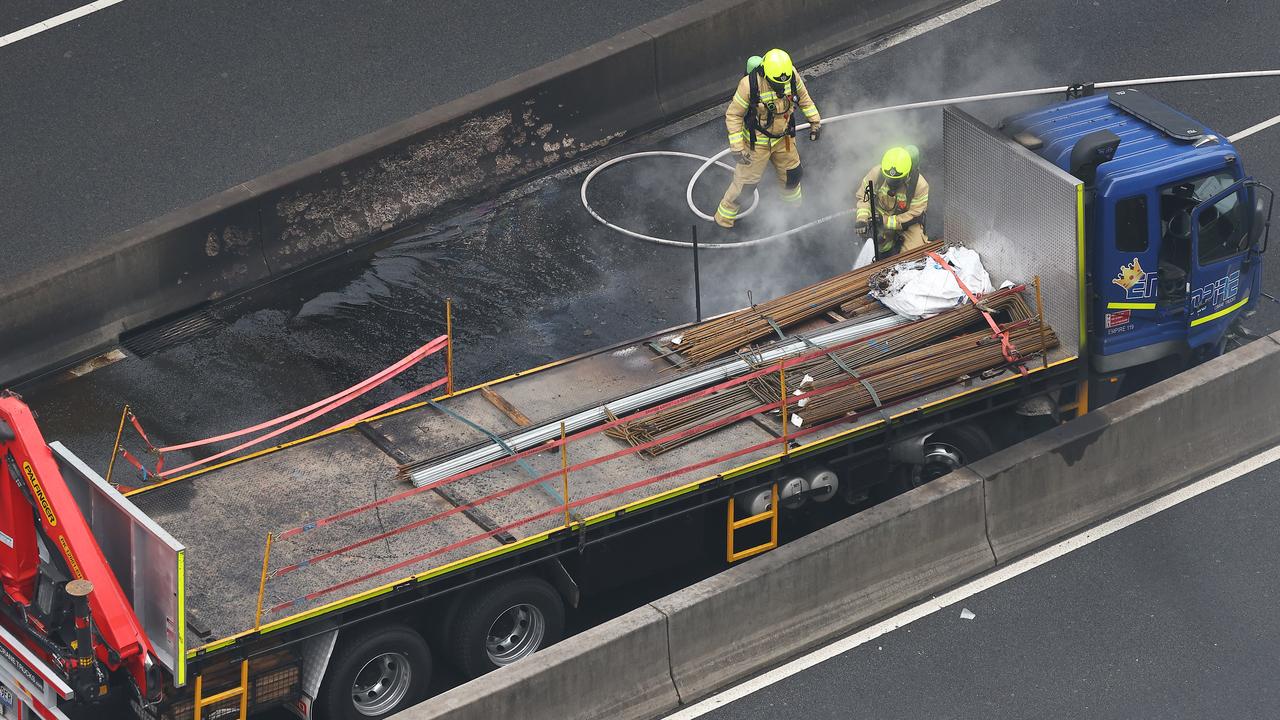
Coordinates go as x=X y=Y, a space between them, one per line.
x=1260 y=230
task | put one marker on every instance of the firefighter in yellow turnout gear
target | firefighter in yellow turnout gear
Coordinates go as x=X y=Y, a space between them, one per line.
x=901 y=196
x=761 y=122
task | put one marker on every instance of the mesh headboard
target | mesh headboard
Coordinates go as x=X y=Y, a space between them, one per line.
x=1022 y=214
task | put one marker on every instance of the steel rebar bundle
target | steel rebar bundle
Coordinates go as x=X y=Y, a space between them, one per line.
x=918 y=371
x=1008 y=305
x=723 y=335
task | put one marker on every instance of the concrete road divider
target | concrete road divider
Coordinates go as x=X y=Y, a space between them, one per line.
x=184 y=259
x=352 y=194
x=617 y=670
x=824 y=585
x=1134 y=449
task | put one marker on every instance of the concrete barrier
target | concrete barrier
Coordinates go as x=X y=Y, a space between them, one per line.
x=1133 y=449
x=195 y=255
x=476 y=145
x=616 y=670
x=824 y=585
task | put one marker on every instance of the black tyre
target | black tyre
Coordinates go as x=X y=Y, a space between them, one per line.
x=504 y=623
x=375 y=672
x=944 y=451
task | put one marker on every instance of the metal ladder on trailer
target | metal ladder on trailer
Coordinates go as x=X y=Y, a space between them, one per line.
x=242 y=692
x=771 y=515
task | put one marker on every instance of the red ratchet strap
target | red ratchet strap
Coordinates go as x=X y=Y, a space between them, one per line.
x=1010 y=352
x=358 y=389
x=133 y=420
x=129 y=458
x=390 y=404
x=317 y=409
x=404 y=564
x=553 y=444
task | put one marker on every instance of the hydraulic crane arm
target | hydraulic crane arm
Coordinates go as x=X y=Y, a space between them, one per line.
x=45 y=547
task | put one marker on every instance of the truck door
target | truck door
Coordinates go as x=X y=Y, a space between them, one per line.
x=1222 y=275
x=1127 y=313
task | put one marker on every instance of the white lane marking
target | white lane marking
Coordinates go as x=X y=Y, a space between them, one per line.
x=1256 y=128
x=991 y=579
x=899 y=37
x=55 y=21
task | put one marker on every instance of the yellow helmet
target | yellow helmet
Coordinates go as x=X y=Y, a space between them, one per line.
x=778 y=67
x=896 y=163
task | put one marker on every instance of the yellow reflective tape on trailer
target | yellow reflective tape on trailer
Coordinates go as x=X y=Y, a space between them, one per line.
x=1130 y=306
x=473 y=559
x=335 y=605
x=1220 y=313
x=216 y=644
x=1080 y=270
x=180 y=657
x=646 y=502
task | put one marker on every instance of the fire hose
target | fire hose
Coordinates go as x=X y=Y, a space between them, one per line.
x=716 y=159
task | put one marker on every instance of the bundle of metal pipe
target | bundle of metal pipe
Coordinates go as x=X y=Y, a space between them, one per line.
x=1005 y=304
x=918 y=371
x=723 y=335
x=859 y=305
x=726 y=403
x=435 y=469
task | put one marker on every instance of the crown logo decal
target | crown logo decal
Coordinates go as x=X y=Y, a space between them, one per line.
x=1129 y=275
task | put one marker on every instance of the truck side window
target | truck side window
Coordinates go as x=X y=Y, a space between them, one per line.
x=1131 y=225
x=1224 y=228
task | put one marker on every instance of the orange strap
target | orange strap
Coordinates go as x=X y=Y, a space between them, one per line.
x=1010 y=352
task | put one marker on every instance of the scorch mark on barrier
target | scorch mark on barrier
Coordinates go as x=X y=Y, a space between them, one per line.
x=981 y=584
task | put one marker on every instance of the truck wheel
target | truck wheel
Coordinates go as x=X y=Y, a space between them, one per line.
x=505 y=623
x=374 y=673
x=944 y=451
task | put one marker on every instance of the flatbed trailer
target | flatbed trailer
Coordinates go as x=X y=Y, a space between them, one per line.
x=476 y=536
x=316 y=575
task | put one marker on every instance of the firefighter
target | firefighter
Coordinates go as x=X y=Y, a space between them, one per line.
x=762 y=127
x=901 y=197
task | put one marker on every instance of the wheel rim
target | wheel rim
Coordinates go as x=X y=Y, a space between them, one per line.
x=381 y=684
x=939 y=459
x=516 y=633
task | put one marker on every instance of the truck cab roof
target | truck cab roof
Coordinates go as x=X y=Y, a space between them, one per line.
x=1155 y=139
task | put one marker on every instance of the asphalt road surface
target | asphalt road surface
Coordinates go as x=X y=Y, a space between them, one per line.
x=534 y=278
x=149 y=105
x=1172 y=617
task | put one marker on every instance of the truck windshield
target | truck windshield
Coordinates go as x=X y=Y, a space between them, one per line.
x=1223 y=227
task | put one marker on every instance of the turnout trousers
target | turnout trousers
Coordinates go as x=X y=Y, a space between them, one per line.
x=785 y=158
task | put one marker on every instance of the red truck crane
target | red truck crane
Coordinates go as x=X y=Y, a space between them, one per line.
x=66 y=625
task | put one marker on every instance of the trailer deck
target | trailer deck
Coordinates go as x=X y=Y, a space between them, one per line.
x=223 y=514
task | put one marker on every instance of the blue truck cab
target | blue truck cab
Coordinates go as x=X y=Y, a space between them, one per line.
x=1174 y=229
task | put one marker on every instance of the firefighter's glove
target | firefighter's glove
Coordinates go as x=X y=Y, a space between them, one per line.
x=745 y=156
x=862 y=228
x=815 y=130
